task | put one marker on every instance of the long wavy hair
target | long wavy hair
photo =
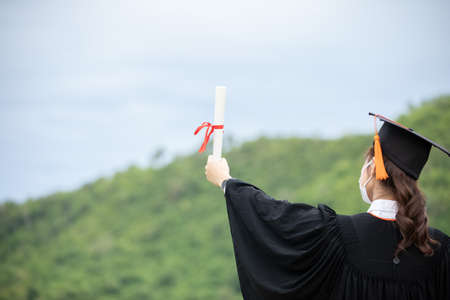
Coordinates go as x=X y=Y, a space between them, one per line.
x=411 y=219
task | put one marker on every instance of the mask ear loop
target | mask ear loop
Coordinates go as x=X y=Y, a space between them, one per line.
x=370 y=177
x=369 y=163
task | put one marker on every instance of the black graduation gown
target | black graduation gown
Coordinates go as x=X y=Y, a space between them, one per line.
x=287 y=250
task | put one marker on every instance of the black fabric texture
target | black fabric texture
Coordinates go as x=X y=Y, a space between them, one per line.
x=287 y=250
x=406 y=150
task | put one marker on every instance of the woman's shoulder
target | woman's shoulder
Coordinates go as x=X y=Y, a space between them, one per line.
x=440 y=236
x=437 y=233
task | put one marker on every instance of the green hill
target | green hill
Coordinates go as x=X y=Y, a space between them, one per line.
x=164 y=233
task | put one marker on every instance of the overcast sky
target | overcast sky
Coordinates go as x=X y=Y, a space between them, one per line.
x=91 y=87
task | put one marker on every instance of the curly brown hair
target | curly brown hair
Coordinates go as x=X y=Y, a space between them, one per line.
x=411 y=219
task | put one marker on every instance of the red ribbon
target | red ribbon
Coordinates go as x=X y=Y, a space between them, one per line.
x=208 y=133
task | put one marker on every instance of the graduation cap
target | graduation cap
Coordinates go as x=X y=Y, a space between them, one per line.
x=407 y=149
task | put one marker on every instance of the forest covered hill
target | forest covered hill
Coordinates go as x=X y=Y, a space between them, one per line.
x=148 y=233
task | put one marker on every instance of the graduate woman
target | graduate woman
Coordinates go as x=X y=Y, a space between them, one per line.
x=287 y=250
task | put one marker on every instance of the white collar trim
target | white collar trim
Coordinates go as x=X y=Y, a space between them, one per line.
x=384 y=208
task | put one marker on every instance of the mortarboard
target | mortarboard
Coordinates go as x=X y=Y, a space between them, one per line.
x=407 y=149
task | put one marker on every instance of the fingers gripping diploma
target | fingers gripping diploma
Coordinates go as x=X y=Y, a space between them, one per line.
x=217 y=170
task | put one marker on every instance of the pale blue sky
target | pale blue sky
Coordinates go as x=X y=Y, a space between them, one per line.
x=90 y=87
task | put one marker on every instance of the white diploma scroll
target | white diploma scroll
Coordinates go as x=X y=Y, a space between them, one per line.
x=219 y=112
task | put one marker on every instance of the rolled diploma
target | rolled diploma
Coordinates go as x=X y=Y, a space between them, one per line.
x=219 y=112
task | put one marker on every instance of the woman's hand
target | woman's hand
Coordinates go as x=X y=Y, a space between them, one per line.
x=217 y=170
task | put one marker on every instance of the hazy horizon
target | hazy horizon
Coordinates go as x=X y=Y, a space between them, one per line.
x=89 y=88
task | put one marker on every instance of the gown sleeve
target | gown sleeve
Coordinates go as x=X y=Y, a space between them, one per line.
x=282 y=250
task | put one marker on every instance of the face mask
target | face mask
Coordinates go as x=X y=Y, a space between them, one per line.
x=362 y=188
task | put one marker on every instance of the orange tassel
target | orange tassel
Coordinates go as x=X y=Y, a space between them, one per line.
x=380 y=170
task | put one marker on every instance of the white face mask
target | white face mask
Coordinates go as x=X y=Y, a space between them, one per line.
x=362 y=188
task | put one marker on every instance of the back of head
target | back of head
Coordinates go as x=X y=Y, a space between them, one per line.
x=411 y=219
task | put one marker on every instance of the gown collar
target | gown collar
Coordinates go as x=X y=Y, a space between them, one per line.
x=384 y=209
